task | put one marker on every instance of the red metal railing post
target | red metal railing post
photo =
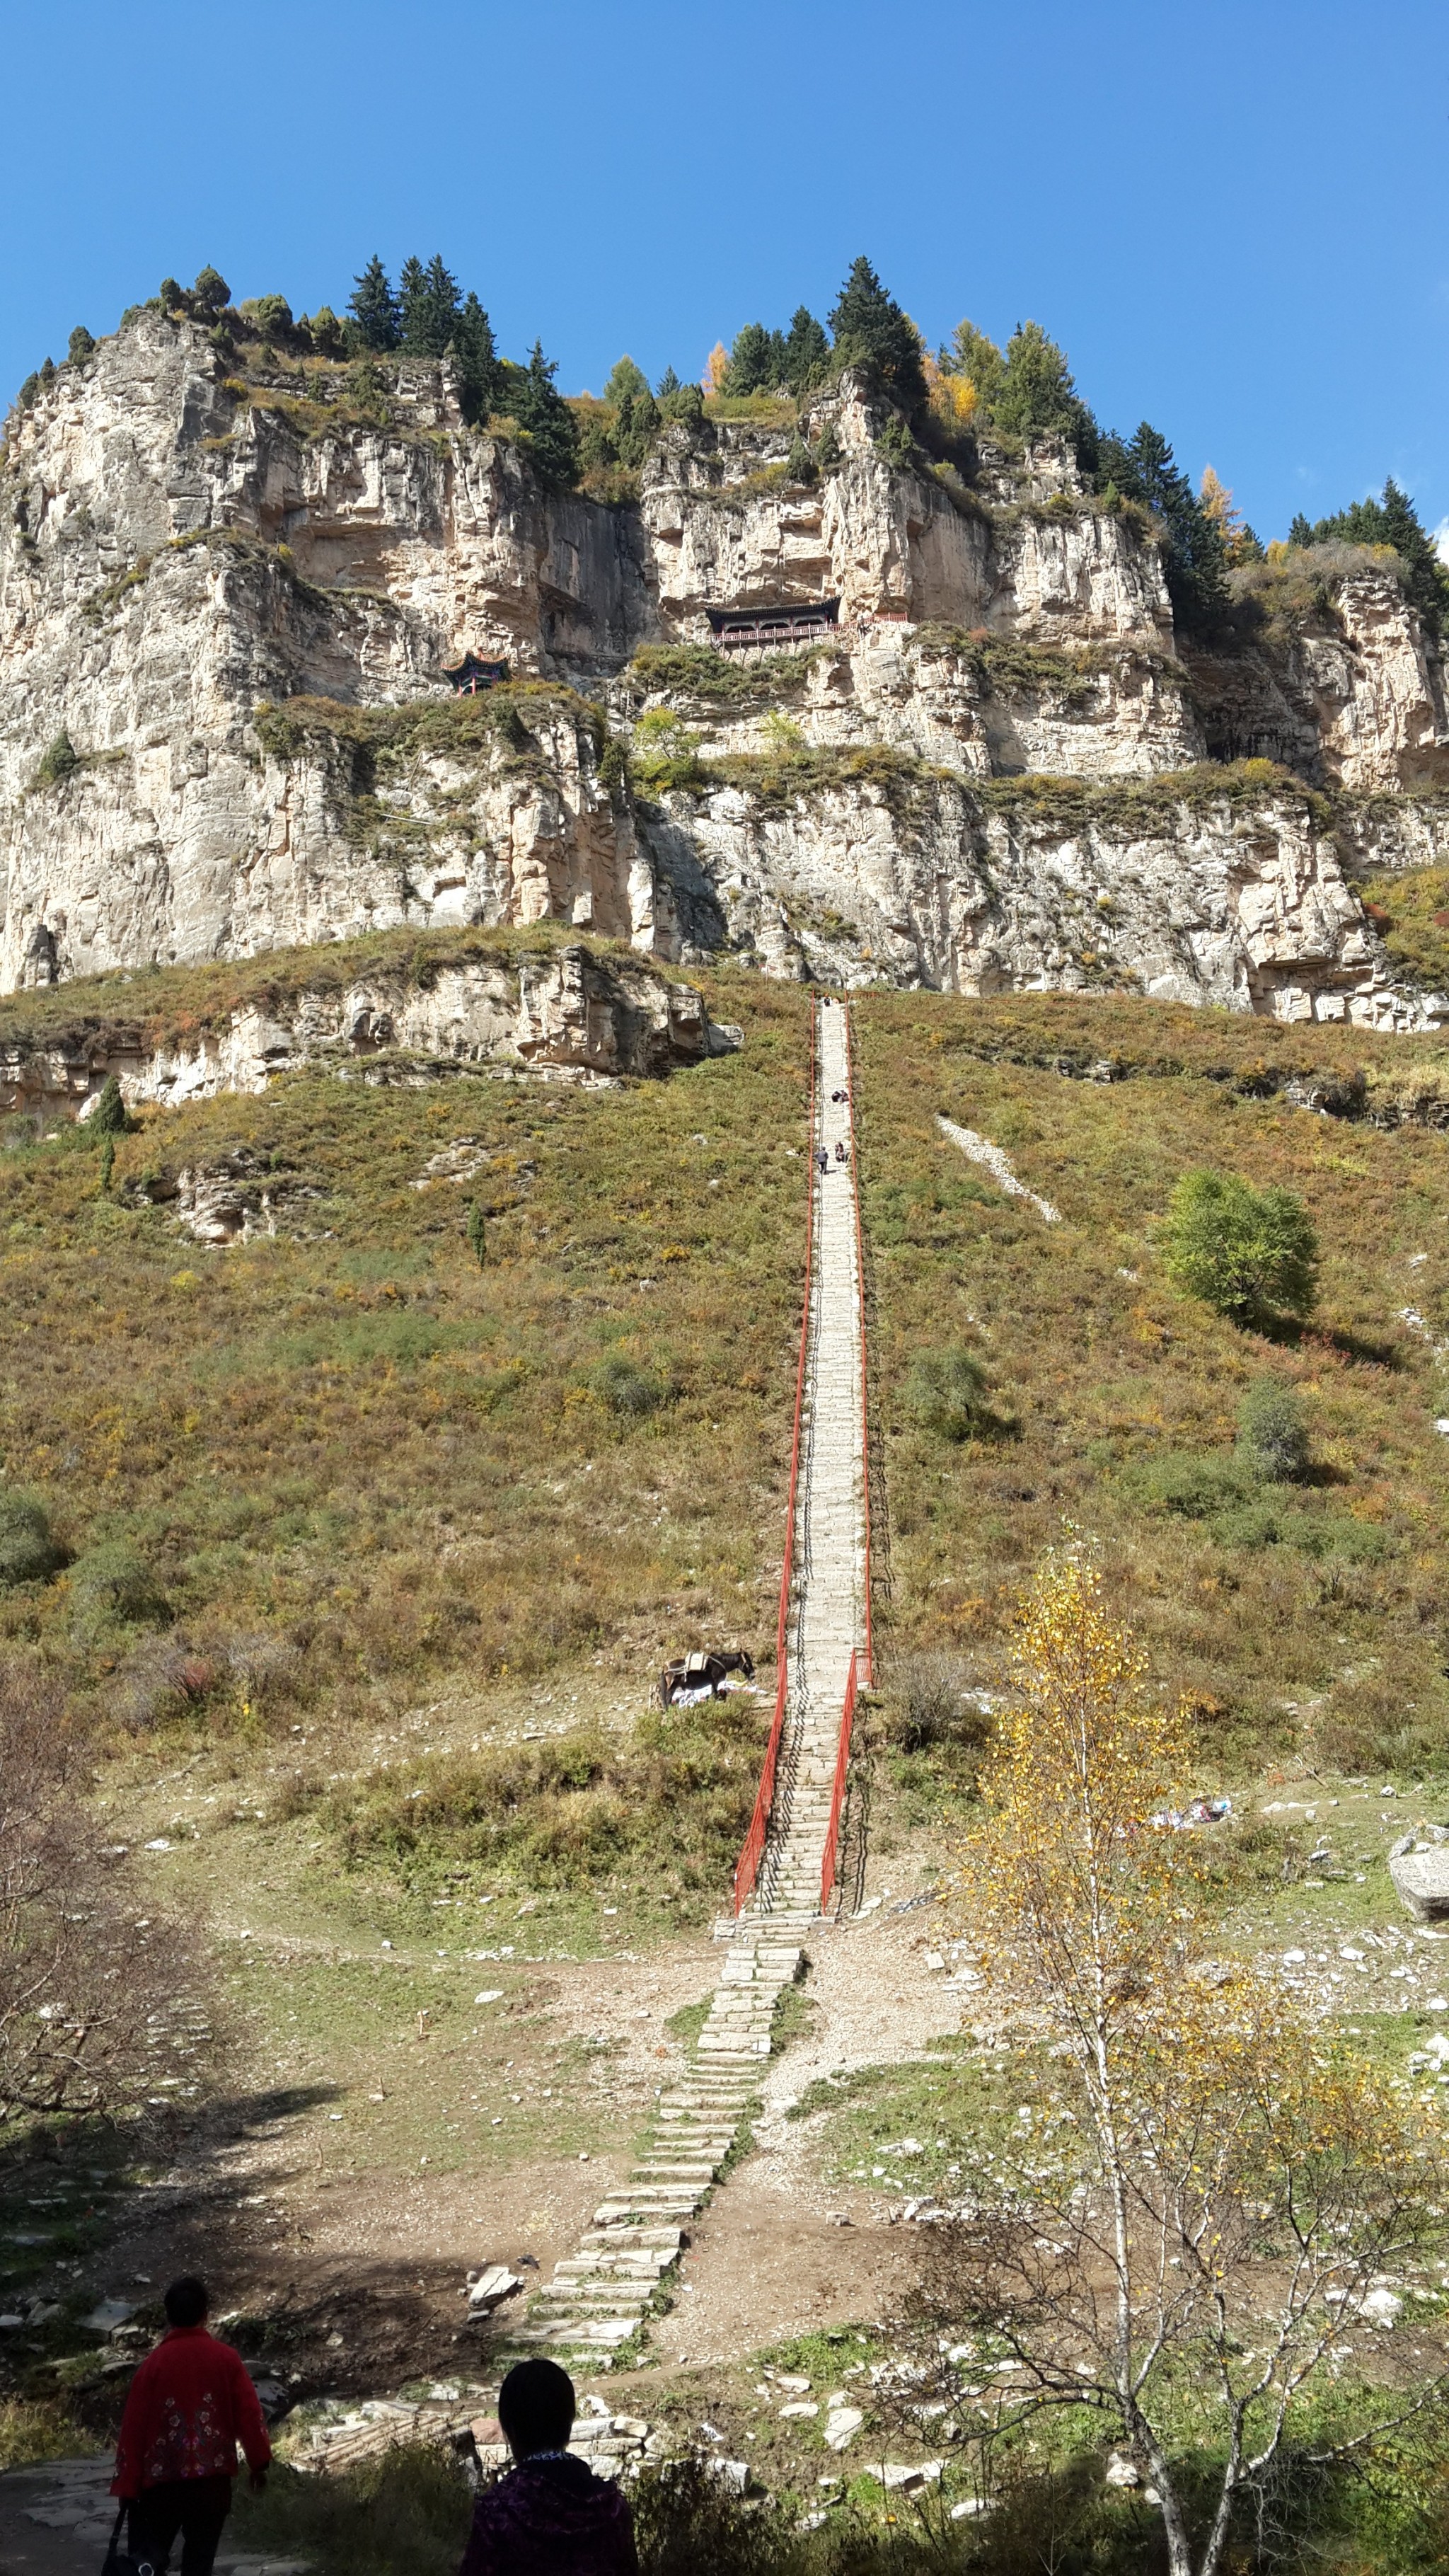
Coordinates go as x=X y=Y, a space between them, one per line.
x=748 y=1864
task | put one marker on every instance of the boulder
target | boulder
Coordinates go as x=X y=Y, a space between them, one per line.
x=1419 y=1868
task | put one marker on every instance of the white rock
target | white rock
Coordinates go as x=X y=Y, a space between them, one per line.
x=842 y=2425
x=1421 y=1876
x=1381 y=2307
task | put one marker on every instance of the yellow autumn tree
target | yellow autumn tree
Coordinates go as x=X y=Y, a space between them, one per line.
x=1217 y=501
x=1177 y=2234
x=953 y=398
x=716 y=369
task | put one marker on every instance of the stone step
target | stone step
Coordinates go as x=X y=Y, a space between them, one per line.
x=622 y=2239
x=582 y=2334
x=642 y=2266
x=588 y=2298
x=632 y=2204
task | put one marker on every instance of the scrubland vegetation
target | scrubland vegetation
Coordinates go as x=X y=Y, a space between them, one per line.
x=309 y=1473
x=1305 y=1618
x=332 y=1513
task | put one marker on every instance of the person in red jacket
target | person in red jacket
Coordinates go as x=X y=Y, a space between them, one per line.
x=550 y=2516
x=190 y=2404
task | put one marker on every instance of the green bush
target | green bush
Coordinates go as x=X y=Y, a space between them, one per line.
x=1189 y=1488
x=211 y=292
x=58 y=763
x=111 y=1586
x=683 y=402
x=1245 y=1252
x=946 y=1392
x=109 y=1118
x=686 y=2521
x=628 y=1389
x=666 y=753
x=80 y=346
x=28 y=1553
x=926 y=1699
x=1272 y=1434
x=896 y=444
x=269 y=315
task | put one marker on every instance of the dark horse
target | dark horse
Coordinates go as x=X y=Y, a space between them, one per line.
x=692 y=1672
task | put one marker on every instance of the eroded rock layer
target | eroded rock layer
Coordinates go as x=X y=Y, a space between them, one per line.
x=228 y=600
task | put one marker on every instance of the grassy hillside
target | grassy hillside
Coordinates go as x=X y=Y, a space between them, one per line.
x=298 y=1481
x=1310 y=1621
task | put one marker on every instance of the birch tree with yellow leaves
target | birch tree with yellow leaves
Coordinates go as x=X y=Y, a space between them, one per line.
x=1201 y=2188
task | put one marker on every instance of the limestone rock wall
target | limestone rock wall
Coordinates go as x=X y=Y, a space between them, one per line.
x=182 y=547
x=172 y=852
x=1354 y=698
x=569 y=1013
x=1188 y=897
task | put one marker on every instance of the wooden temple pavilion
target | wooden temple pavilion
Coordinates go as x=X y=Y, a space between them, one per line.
x=474 y=673
x=773 y=630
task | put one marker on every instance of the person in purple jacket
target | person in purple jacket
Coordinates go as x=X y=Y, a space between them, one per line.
x=550 y=2516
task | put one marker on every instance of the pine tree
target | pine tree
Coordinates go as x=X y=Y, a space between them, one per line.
x=80 y=346
x=211 y=292
x=625 y=378
x=431 y=306
x=807 y=352
x=1036 y=392
x=443 y=306
x=668 y=384
x=541 y=412
x=871 y=330
x=636 y=428
x=412 y=295
x=1426 y=581
x=1194 y=555
x=752 y=360
x=374 y=307
x=972 y=355
x=109 y=1118
x=477 y=361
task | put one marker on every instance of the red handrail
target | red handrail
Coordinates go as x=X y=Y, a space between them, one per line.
x=748 y=1864
x=860 y=1293
x=837 y=1795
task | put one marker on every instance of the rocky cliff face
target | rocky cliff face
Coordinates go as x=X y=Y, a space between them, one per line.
x=569 y=1013
x=228 y=591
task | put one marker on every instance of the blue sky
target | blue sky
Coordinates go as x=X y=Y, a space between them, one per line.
x=1232 y=217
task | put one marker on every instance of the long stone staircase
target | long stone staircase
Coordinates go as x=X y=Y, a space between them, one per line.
x=600 y=2295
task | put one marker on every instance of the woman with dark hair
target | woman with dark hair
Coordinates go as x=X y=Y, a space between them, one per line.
x=190 y=2404
x=550 y=2516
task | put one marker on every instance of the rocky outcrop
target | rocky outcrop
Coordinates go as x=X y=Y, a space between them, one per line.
x=723 y=524
x=310 y=825
x=1350 y=696
x=1177 y=890
x=567 y=1013
x=226 y=601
